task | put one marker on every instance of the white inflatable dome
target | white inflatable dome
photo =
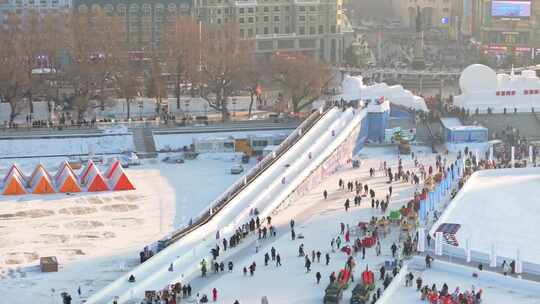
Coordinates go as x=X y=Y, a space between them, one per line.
x=477 y=77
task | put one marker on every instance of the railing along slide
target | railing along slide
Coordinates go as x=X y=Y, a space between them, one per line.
x=222 y=201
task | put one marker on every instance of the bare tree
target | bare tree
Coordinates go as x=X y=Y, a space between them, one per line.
x=254 y=75
x=96 y=52
x=225 y=58
x=155 y=86
x=13 y=80
x=302 y=78
x=182 y=46
x=128 y=85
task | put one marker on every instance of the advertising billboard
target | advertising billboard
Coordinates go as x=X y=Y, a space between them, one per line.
x=511 y=8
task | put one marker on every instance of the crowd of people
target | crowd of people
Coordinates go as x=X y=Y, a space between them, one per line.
x=444 y=296
x=349 y=240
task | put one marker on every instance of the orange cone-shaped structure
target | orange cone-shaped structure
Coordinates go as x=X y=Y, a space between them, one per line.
x=41 y=183
x=120 y=181
x=64 y=166
x=96 y=182
x=68 y=182
x=39 y=169
x=13 y=185
x=15 y=170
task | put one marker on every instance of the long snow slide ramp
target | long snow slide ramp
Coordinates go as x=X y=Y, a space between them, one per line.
x=266 y=192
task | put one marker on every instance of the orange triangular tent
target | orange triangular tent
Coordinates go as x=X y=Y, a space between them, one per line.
x=110 y=172
x=39 y=169
x=13 y=185
x=14 y=169
x=96 y=182
x=41 y=183
x=120 y=181
x=68 y=182
x=64 y=166
x=90 y=166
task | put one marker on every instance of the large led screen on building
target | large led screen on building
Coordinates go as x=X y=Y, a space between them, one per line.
x=510 y=9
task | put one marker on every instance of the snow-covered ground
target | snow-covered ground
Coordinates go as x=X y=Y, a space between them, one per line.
x=318 y=221
x=498 y=207
x=495 y=287
x=97 y=237
x=266 y=193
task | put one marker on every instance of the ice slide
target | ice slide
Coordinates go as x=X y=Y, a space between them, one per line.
x=265 y=193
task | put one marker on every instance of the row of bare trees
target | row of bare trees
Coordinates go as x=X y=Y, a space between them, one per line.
x=82 y=61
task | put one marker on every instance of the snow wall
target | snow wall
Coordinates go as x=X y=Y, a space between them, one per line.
x=476 y=255
x=339 y=159
x=70 y=145
x=266 y=193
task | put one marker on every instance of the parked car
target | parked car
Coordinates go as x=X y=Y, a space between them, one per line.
x=173 y=160
x=129 y=159
x=237 y=169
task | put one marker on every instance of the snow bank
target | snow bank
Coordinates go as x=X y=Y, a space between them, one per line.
x=495 y=207
x=66 y=145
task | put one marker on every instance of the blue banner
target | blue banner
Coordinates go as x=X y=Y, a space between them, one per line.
x=422 y=212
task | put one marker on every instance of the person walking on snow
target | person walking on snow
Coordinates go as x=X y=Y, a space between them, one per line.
x=505 y=268
x=214 y=294
x=318 y=277
x=327 y=257
x=378 y=248
x=307 y=264
x=266 y=259
x=325 y=194
x=394 y=249
x=278 y=260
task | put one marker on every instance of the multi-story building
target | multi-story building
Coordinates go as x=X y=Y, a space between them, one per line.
x=504 y=28
x=435 y=13
x=21 y=6
x=142 y=20
x=317 y=28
